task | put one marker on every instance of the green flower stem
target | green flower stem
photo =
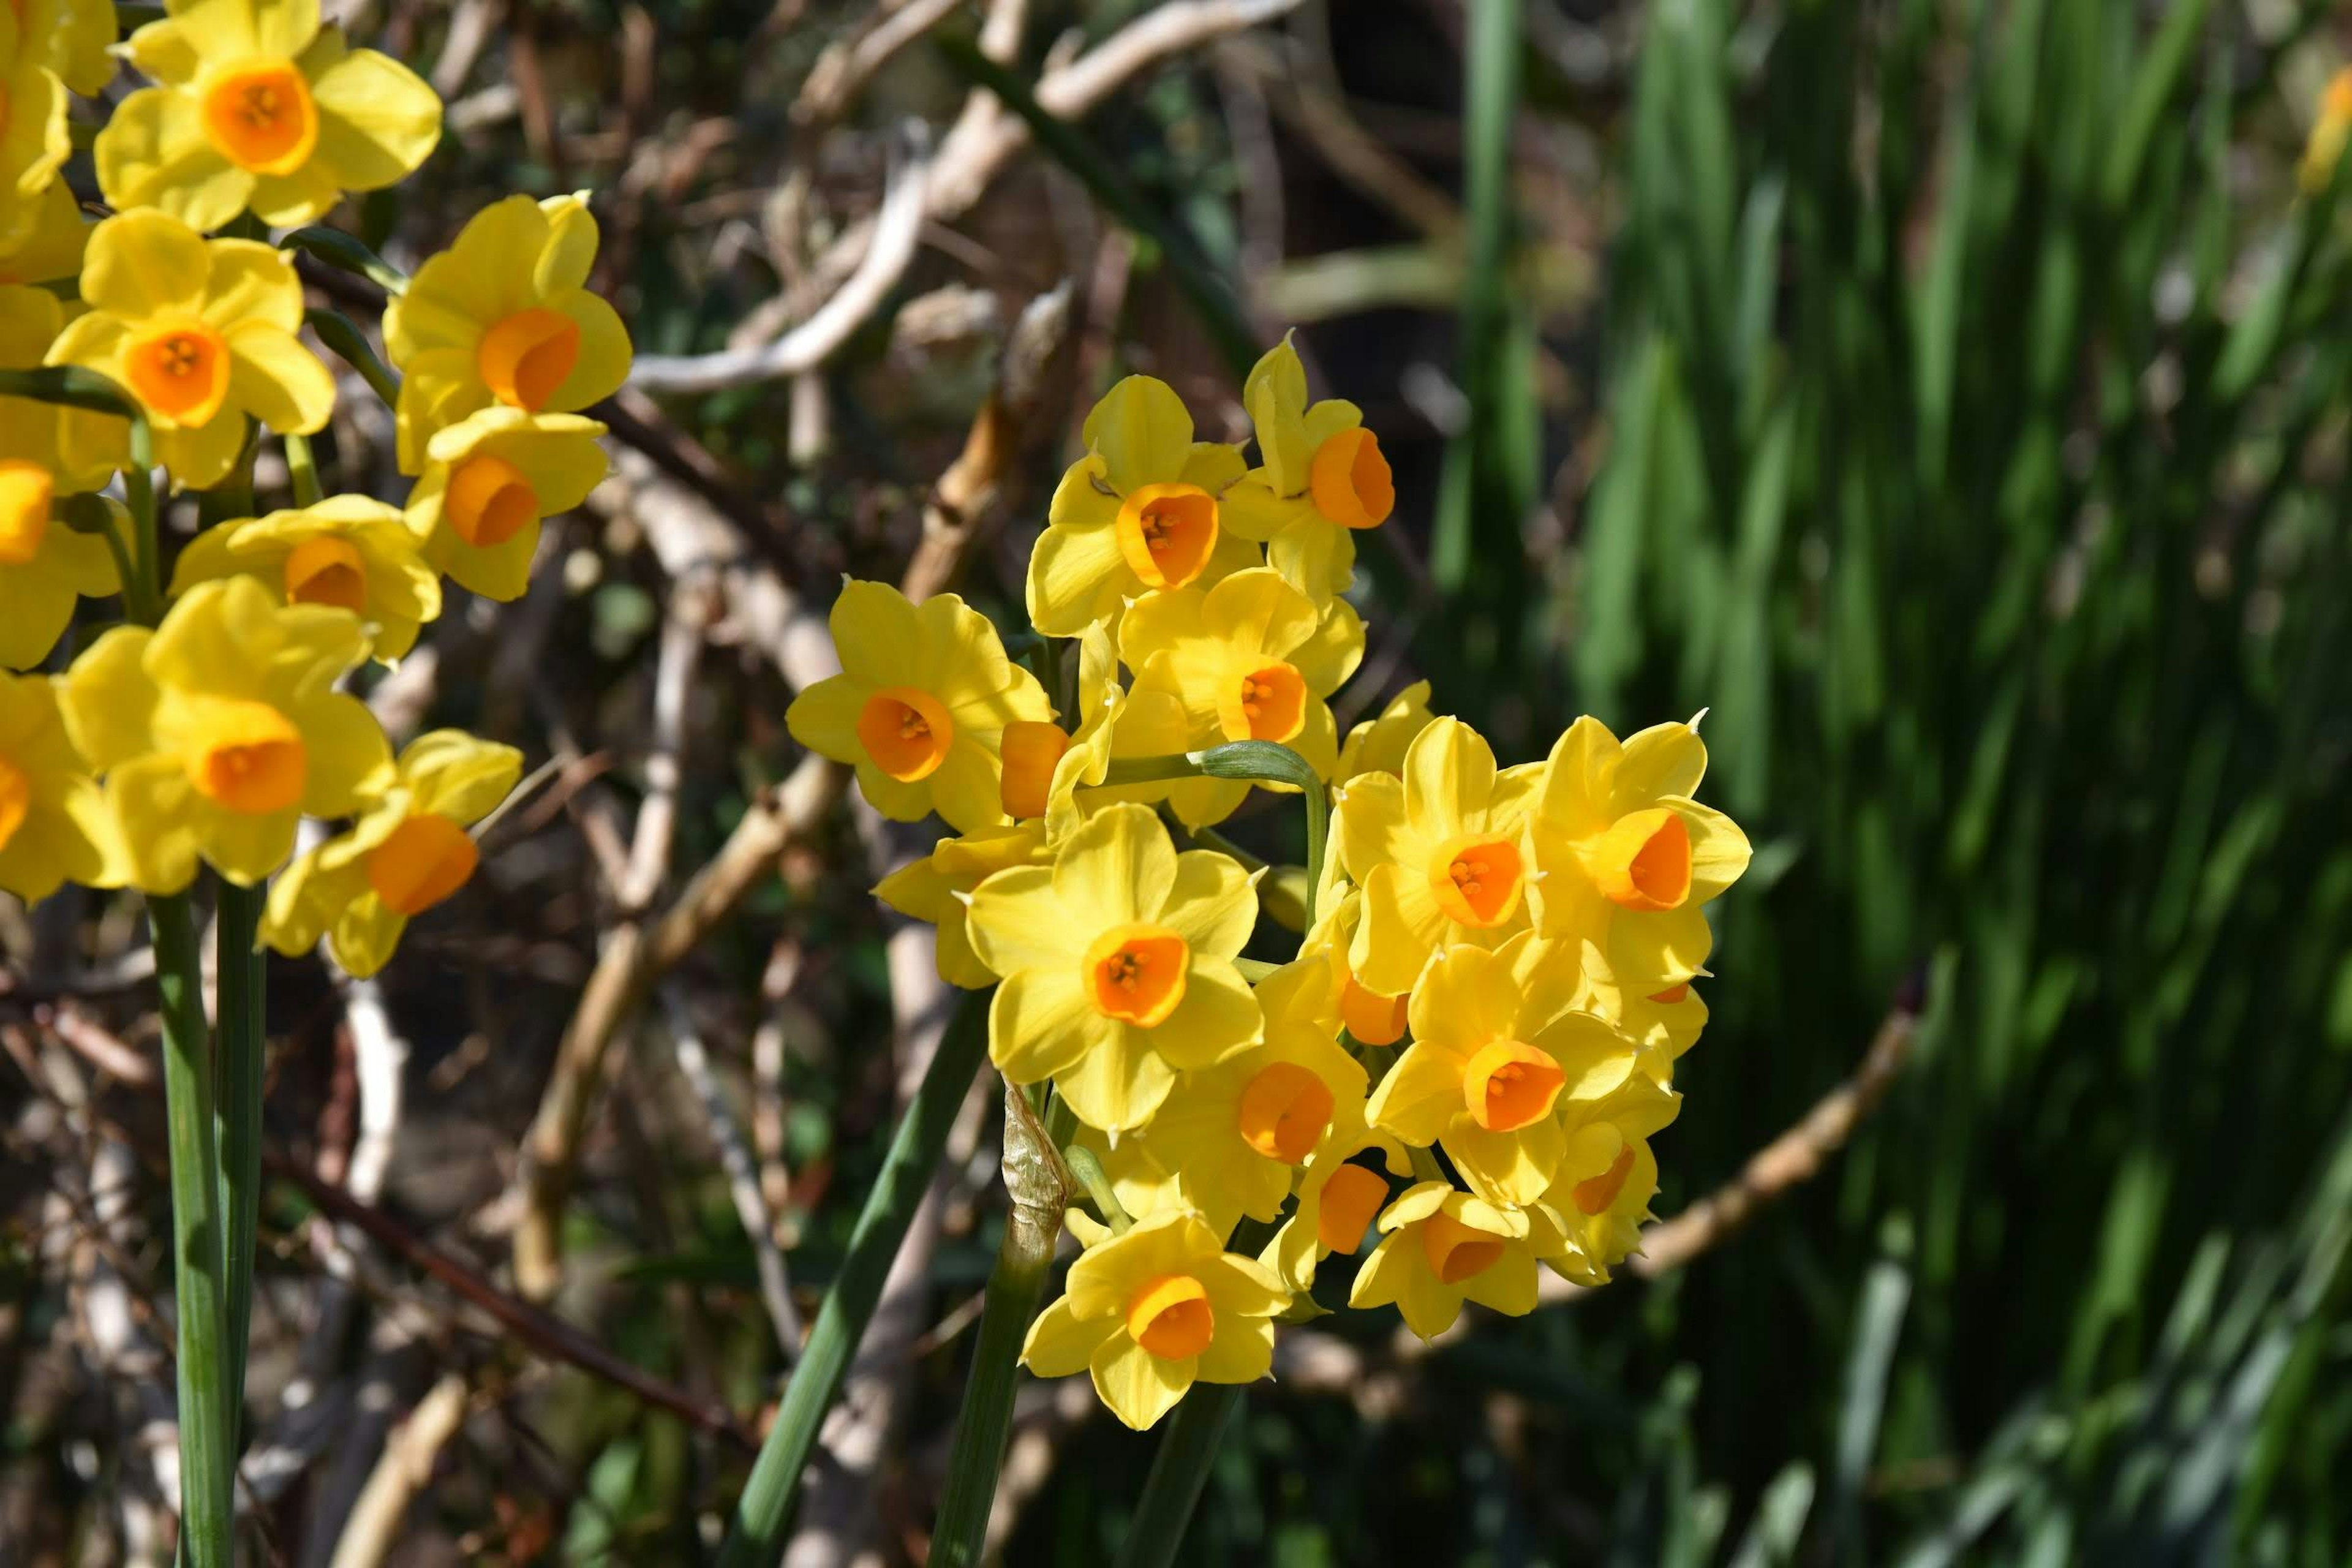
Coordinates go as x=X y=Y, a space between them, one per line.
x=1041 y=1185
x=1090 y=1172
x=1250 y=762
x=756 y=1535
x=301 y=468
x=337 y=332
x=238 y=1068
x=336 y=248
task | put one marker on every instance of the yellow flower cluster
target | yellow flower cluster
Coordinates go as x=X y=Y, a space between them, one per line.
x=1465 y=1061
x=204 y=734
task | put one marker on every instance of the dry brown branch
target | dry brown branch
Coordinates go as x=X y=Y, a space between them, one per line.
x=403 y=1471
x=848 y=64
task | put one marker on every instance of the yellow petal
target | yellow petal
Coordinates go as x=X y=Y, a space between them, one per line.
x=1138 y=1386
x=1275 y=395
x=1119 y=866
x=1217 y=1018
x=154 y=155
x=145 y=263
x=377 y=121
x=273 y=377
x=1719 y=851
x=1142 y=431
x=1039 y=1024
x=1060 y=1343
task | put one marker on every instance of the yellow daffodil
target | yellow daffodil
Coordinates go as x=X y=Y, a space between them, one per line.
x=934 y=889
x=49 y=246
x=54 y=826
x=1498 y=1058
x=255 y=105
x=1666 y=1023
x=72 y=37
x=1378 y=745
x=1113 y=723
x=202 y=332
x=1230 y=1137
x=1139 y=513
x=920 y=706
x=504 y=316
x=1441 y=854
x=1117 y=966
x=217 y=731
x=1250 y=658
x=350 y=551
x=1628 y=857
x=1321 y=476
x=1601 y=1197
x=2331 y=129
x=34 y=141
x=1439 y=1248
x=407 y=852
x=488 y=481
x=46 y=568
x=1150 y=1312
x=1340 y=1193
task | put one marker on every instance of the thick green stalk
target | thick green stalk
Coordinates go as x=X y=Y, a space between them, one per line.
x=1041 y=1186
x=301 y=468
x=237 y=1085
x=756 y=1536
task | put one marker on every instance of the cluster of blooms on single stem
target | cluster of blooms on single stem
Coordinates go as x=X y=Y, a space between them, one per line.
x=1465 y=1064
x=205 y=737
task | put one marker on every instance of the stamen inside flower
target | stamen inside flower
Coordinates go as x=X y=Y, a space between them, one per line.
x=905 y=731
x=1350 y=1199
x=25 y=492
x=1032 y=750
x=1371 y=1018
x=1137 y=973
x=259 y=115
x=1457 y=1251
x=326 y=570
x=1166 y=533
x=1508 y=1085
x=1171 y=1317
x=1643 y=861
x=1284 y=1110
x=489 y=501
x=180 y=371
x=1267 y=702
x=1476 y=879
x=16 y=799
x=252 y=760
x=427 y=859
x=526 y=357
x=1350 y=481
x=1596 y=1195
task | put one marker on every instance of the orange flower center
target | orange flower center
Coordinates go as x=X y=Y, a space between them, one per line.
x=1285 y=1109
x=1371 y=1018
x=180 y=371
x=1456 y=1251
x=427 y=859
x=1171 y=1318
x=1672 y=994
x=1476 y=879
x=1033 y=749
x=1137 y=973
x=255 y=763
x=1166 y=533
x=1269 y=703
x=25 y=491
x=16 y=799
x=905 y=731
x=1508 y=1085
x=326 y=570
x=1350 y=1199
x=1643 y=861
x=1594 y=1195
x=525 y=358
x=259 y=115
x=489 y=501
x=1350 y=481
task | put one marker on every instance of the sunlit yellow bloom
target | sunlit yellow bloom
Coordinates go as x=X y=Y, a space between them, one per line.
x=1250 y=658
x=488 y=481
x=1443 y=1248
x=920 y=705
x=1340 y=1193
x=1117 y=965
x=1628 y=857
x=1113 y=723
x=1378 y=745
x=34 y=141
x=217 y=733
x=407 y=852
x=1498 y=1059
x=1666 y=1023
x=352 y=552
x=200 y=332
x=1441 y=854
x=933 y=890
x=49 y=247
x=44 y=567
x=1321 y=476
x=255 y=105
x=1155 y=1309
x=1231 y=1138
x=504 y=316
x=1595 y=1209
x=71 y=37
x=53 y=827
x=2330 y=130
x=1139 y=512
